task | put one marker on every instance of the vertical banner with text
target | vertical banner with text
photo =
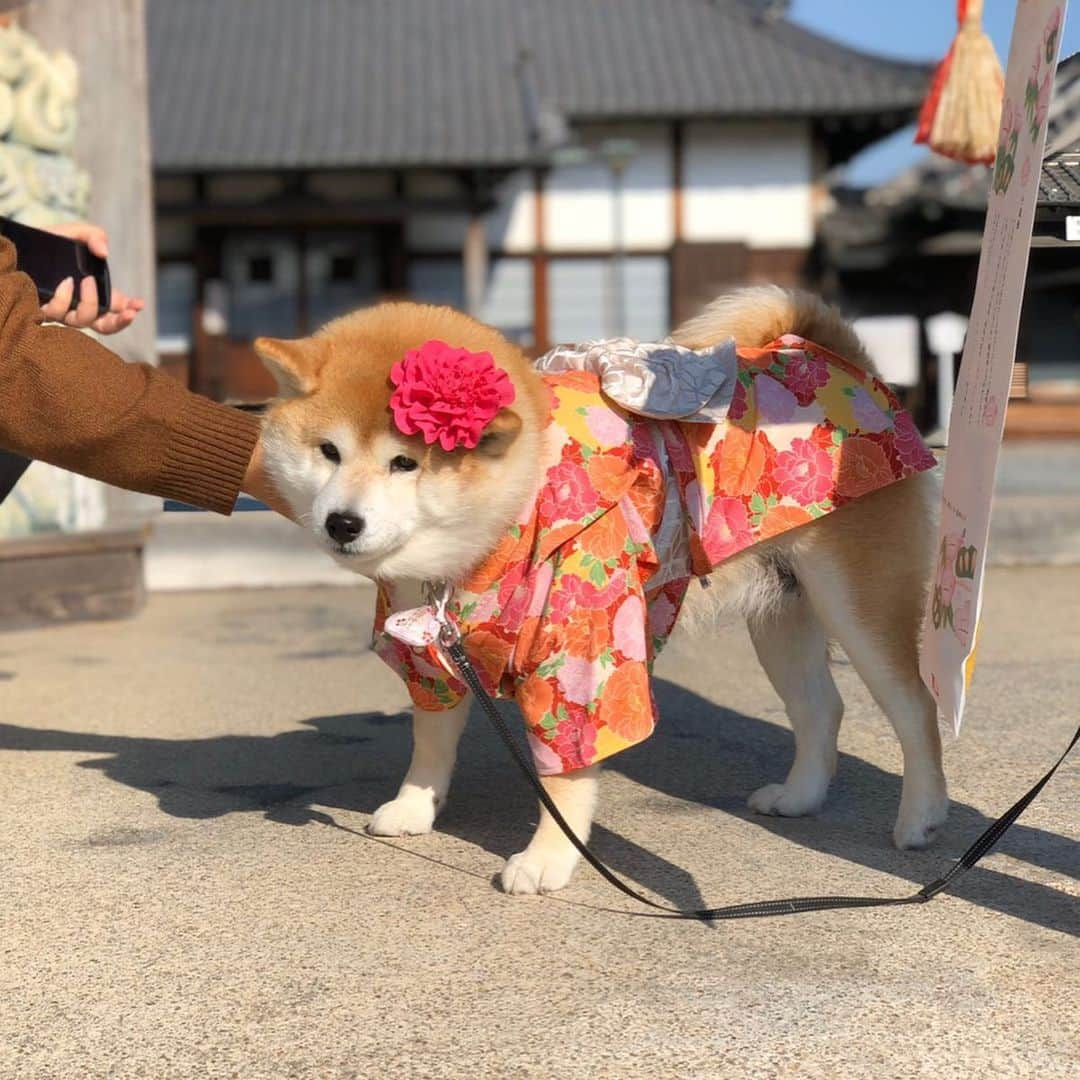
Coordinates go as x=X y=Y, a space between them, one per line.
x=978 y=416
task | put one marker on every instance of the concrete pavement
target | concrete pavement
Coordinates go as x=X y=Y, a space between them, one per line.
x=255 y=550
x=1036 y=518
x=186 y=889
x=1036 y=521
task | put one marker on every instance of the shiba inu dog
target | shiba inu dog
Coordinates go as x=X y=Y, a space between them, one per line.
x=565 y=529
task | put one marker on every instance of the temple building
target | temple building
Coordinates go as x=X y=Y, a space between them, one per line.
x=564 y=169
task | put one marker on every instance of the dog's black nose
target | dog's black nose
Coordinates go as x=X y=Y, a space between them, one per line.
x=344 y=528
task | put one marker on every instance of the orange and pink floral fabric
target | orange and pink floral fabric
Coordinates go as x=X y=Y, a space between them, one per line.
x=569 y=612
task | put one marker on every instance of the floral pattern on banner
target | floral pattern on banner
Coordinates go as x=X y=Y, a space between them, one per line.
x=571 y=609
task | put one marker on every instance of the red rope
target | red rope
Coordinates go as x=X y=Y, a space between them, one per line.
x=929 y=106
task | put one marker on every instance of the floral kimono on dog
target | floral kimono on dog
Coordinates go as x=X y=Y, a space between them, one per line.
x=666 y=463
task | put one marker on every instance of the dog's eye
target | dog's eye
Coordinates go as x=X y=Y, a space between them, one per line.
x=402 y=464
x=330 y=452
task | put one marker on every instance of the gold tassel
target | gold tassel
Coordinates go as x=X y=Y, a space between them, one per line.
x=962 y=112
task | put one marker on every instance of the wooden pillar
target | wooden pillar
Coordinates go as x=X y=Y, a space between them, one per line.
x=108 y=41
x=541 y=324
x=475 y=258
x=678 y=141
x=107 y=38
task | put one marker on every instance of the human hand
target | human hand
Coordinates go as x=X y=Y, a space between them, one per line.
x=122 y=308
x=259 y=485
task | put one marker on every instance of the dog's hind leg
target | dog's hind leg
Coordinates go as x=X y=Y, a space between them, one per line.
x=792 y=647
x=891 y=674
x=423 y=791
x=871 y=603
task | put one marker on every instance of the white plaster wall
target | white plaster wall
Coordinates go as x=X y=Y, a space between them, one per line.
x=748 y=182
x=579 y=199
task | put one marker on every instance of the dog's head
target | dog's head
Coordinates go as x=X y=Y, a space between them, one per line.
x=383 y=503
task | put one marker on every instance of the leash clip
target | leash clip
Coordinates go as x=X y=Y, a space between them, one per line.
x=437 y=594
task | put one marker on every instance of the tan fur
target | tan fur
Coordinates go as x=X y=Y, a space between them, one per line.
x=349 y=362
x=856 y=536
x=339 y=379
x=858 y=576
x=864 y=569
x=756 y=315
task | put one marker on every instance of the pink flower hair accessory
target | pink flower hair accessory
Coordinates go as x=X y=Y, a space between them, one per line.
x=447 y=394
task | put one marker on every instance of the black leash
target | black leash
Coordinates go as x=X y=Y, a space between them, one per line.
x=794 y=906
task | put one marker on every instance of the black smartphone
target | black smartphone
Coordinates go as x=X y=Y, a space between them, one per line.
x=48 y=259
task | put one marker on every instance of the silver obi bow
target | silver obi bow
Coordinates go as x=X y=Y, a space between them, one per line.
x=655 y=379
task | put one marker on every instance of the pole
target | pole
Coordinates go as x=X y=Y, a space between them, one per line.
x=108 y=40
x=476 y=264
x=946 y=380
x=618 y=261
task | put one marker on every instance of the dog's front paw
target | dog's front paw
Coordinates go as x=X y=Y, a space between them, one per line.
x=530 y=872
x=787 y=800
x=919 y=819
x=407 y=816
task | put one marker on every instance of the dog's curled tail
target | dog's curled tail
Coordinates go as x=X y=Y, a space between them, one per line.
x=758 y=314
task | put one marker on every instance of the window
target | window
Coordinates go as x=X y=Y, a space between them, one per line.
x=260 y=268
x=175 y=306
x=648 y=303
x=437 y=281
x=583 y=298
x=342 y=269
x=261 y=272
x=508 y=297
x=342 y=272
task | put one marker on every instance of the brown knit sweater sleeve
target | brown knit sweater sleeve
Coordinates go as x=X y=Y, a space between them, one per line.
x=67 y=400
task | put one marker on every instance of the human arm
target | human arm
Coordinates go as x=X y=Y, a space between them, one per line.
x=68 y=401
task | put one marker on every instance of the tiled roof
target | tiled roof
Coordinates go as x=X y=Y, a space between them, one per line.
x=1059 y=184
x=307 y=83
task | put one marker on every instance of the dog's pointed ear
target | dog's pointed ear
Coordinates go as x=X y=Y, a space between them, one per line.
x=500 y=433
x=294 y=364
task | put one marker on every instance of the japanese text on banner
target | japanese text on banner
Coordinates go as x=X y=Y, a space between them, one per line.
x=978 y=417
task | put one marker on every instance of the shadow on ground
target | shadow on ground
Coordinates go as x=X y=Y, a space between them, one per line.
x=700 y=754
